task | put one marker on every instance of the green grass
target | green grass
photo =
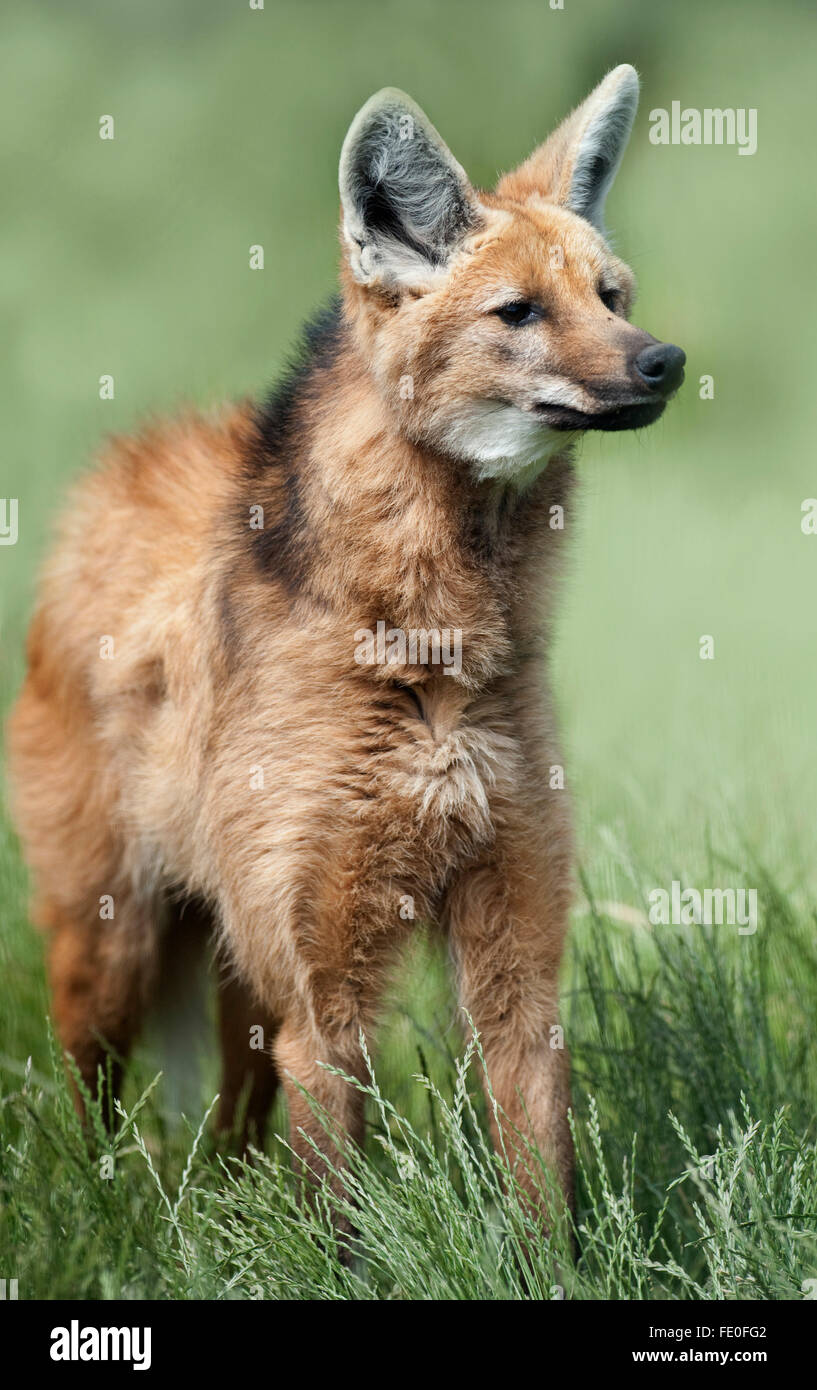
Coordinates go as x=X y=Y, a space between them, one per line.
x=695 y=1075
x=697 y=1179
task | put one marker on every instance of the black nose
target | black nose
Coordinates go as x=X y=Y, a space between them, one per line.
x=661 y=366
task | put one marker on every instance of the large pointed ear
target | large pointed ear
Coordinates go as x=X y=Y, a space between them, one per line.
x=577 y=165
x=407 y=204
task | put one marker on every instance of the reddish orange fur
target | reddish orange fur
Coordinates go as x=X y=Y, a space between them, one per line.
x=132 y=776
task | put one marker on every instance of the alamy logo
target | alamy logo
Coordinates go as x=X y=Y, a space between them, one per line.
x=712 y=907
x=417 y=647
x=711 y=126
x=74 y=1343
x=8 y=520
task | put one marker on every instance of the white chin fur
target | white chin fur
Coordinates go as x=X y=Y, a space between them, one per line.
x=503 y=441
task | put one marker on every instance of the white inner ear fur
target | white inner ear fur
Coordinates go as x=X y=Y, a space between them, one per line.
x=393 y=156
x=610 y=112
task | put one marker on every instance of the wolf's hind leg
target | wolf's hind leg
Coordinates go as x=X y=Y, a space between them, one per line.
x=102 y=974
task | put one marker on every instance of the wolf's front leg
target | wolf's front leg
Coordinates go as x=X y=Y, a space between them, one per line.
x=323 y=1122
x=507 y=919
x=341 y=964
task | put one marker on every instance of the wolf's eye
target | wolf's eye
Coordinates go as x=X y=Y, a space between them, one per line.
x=610 y=300
x=519 y=313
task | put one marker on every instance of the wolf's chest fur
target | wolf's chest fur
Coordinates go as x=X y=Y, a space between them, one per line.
x=455 y=765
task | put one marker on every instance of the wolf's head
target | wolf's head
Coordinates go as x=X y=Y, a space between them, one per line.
x=496 y=323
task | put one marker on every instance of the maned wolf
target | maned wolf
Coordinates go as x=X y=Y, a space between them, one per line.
x=210 y=721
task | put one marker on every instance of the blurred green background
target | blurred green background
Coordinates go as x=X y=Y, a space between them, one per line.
x=130 y=257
